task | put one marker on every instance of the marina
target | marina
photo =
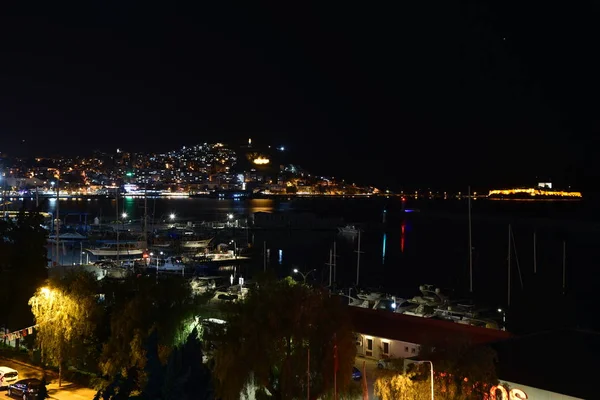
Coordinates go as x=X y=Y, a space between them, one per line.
x=395 y=257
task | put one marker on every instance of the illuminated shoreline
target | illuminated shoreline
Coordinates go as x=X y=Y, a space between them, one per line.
x=534 y=194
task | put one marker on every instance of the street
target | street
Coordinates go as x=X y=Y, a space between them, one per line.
x=370 y=366
x=68 y=391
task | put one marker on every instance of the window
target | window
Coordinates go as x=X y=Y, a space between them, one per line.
x=386 y=348
x=406 y=349
x=413 y=350
x=369 y=351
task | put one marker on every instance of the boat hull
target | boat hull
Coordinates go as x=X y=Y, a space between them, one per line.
x=127 y=252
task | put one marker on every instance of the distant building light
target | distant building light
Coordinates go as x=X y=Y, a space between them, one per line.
x=261 y=161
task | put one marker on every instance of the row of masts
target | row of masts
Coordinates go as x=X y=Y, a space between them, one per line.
x=513 y=248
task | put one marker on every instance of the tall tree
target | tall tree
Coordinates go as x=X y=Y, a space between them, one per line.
x=268 y=336
x=184 y=377
x=466 y=370
x=22 y=265
x=138 y=307
x=65 y=311
x=462 y=372
x=400 y=386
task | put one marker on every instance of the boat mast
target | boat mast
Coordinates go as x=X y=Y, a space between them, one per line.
x=330 y=266
x=470 y=245
x=146 y=216
x=564 y=274
x=509 y=251
x=265 y=256
x=334 y=261
x=57 y=223
x=358 y=259
x=534 y=254
x=117 y=221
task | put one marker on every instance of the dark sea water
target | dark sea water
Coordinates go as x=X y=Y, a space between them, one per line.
x=429 y=246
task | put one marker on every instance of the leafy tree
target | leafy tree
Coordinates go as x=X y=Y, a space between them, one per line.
x=23 y=264
x=400 y=386
x=138 y=307
x=186 y=377
x=183 y=377
x=464 y=371
x=267 y=337
x=65 y=312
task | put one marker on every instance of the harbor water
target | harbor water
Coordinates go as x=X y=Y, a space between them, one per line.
x=400 y=250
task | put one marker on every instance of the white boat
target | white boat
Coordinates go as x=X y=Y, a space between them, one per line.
x=196 y=244
x=370 y=296
x=431 y=296
x=348 y=230
x=422 y=310
x=174 y=264
x=69 y=236
x=121 y=249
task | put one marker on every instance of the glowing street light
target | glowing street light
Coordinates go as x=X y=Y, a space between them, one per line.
x=172 y=216
x=124 y=215
x=304 y=276
x=230 y=216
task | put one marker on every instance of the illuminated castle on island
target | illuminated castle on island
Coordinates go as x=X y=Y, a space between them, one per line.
x=542 y=191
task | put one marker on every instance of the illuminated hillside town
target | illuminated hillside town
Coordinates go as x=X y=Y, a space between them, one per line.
x=212 y=170
x=200 y=170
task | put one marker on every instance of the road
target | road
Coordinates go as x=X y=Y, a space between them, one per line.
x=68 y=391
x=370 y=366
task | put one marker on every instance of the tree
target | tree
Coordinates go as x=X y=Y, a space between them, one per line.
x=400 y=386
x=137 y=308
x=186 y=377
x=267 y=337
x=64 y=311
x=462 y=372
x=23 y=265
x=183 y=377
x=465 y=371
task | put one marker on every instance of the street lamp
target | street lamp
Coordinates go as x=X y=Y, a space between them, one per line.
x=431 y=368
x=172 y=216
x=503 y=318
x=304 y=276
x=124 y=215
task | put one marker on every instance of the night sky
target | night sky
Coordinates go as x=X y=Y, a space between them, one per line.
x=431 y=94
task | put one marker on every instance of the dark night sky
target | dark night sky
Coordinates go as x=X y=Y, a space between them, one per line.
x=432 y=94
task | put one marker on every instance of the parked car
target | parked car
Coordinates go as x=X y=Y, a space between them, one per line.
x=27 y=389
x=356 y=374
x=8 y=376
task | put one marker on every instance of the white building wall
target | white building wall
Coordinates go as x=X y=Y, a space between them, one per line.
x=531 y=393
x=377 y=348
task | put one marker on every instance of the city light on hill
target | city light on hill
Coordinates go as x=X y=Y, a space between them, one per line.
x=261 y=161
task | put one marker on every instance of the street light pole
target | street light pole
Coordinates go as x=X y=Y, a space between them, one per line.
x=431 y=369
x=308 y=375
x=304 y=276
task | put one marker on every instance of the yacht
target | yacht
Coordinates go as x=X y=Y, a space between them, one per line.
x=121 y=249
x=196 y=244
x=466 y=314
x=67 y=237
x=348 y=230
x=167 y=264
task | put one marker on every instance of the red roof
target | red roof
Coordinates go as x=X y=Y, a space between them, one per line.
x=419 y=330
